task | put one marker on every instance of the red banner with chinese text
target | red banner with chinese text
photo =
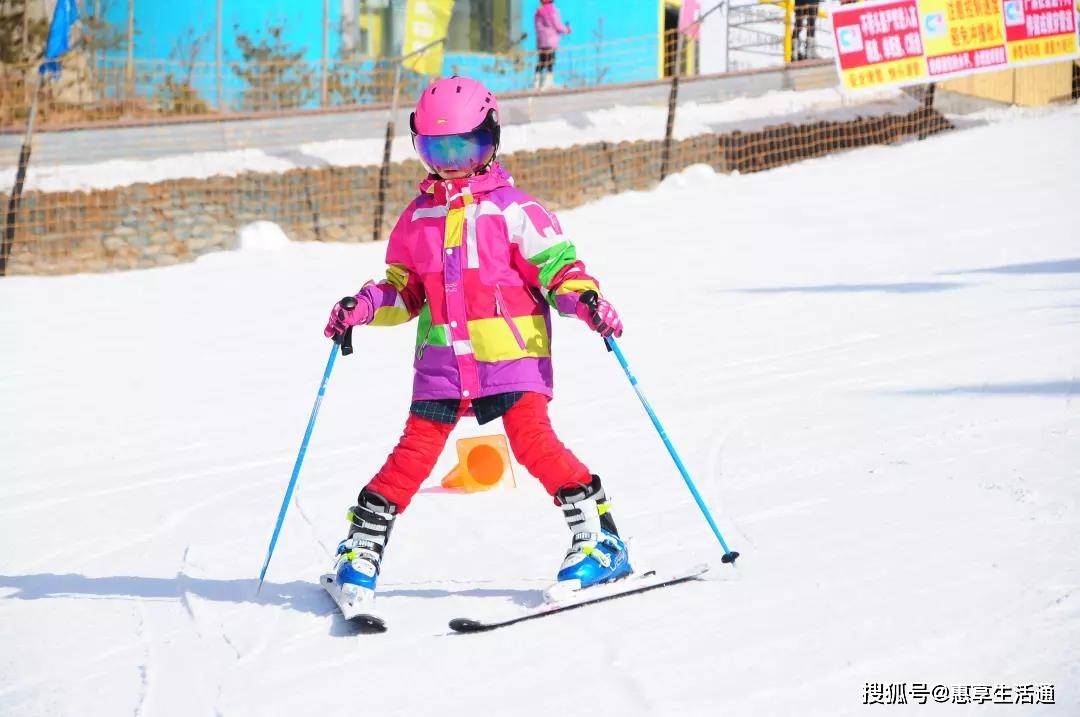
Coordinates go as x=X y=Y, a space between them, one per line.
x=1039 y=30
x=886 y=43
x=879 y=44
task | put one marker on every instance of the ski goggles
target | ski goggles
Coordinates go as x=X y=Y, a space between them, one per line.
x=469 y=151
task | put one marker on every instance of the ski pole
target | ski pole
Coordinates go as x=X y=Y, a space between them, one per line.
x=345 y=342
x=590 y=298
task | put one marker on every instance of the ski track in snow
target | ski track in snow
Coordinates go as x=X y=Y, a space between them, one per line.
x=146 y=673
x=873 y=390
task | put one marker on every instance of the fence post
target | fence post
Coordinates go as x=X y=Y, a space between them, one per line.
x=20 y=176
x=384 y=170
x=928 y=106
x=673 y=99
x=673 y=96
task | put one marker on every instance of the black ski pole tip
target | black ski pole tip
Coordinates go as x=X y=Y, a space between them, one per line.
x=346 y=342
x=729 y=557
x=349 y=302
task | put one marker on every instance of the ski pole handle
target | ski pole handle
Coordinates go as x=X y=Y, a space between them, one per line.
x=345 y=339
x=591 y=299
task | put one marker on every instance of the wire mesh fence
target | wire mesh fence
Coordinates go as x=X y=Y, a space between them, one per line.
x=165 y=222
x=161 y=161
x=116 y=89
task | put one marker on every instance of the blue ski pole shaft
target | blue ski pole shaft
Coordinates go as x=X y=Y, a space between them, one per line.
x=346 y=348
x=729 y=555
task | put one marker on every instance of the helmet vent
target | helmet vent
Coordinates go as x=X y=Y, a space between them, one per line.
x=459 y=89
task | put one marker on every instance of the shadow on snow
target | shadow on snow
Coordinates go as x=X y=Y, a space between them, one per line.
x=924 y=287
x=307 y=597
x=1058 y=266
x=1032 y=388
x=297 y=595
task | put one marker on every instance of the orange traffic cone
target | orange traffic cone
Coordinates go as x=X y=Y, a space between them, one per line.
x=483 y=463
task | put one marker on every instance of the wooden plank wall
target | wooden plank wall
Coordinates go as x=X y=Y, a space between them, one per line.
x=1028 y=86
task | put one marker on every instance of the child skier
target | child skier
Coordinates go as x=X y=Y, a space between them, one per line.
x=480 y=263
x=549 y=26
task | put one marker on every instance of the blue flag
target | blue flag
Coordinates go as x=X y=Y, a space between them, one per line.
x=66 y=15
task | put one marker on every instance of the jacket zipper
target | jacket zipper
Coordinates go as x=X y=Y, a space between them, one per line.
x=424 y=343
x=509 y=322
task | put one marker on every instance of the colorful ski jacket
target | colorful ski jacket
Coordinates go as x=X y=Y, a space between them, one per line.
x=480 y=263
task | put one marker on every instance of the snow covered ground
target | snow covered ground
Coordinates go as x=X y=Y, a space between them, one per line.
x=869 y=362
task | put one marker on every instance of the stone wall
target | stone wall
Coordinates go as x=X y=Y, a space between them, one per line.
x=147 y=225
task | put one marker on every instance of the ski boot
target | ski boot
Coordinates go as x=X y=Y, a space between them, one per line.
x=359 y=555
x=597 y=554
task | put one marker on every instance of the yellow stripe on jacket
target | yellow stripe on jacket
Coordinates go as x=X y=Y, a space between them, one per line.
x=492 y=339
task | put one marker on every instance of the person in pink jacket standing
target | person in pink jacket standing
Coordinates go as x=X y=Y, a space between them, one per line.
x=480 y=265
x=549 y=28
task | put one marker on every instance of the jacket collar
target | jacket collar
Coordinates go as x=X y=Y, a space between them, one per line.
x=446 y=190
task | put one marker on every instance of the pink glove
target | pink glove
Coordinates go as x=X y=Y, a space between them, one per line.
x=341 y=318
x=604 y=320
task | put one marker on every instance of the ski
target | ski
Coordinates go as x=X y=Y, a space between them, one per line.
x=632 y=585
x=354 y=608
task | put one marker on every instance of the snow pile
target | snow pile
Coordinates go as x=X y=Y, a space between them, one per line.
x=867 y=361
x=693 y=176
x=124 y=172
x=263 y=236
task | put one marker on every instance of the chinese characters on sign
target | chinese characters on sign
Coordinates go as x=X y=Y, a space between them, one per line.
x=880 y=45
x=962 y=35
x=921 y=693
x=1039 y=29
x=904 y=42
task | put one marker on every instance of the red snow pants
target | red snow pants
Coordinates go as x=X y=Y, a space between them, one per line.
x=532 y=439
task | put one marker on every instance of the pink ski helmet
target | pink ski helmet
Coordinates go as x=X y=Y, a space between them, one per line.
x=455 y=126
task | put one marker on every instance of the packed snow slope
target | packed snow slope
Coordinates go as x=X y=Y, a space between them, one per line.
x=869 y=362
